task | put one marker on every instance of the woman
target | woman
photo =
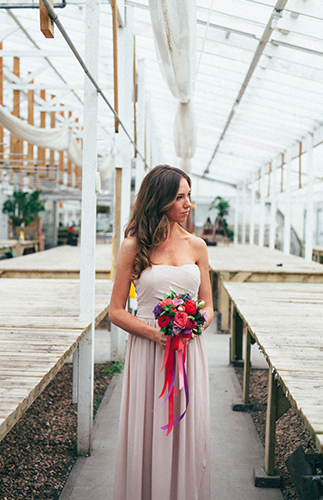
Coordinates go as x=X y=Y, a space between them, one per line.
x=158 y=253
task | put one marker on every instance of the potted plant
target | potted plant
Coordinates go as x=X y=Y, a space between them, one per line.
x=23 y=208
x=220 y=224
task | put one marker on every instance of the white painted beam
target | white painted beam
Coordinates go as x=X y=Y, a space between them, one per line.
x=272 y=233
x=287 y=225
x=261 y=227
x=310 y=202
x=252 y=212
x=88 y=233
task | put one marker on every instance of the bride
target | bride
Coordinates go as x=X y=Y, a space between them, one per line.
x=156 y=254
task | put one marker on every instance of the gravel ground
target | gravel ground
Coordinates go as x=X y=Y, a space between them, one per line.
x=290 y=432
x=38 y=454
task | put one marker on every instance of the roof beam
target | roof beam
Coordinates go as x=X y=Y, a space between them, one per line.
x=276 y=14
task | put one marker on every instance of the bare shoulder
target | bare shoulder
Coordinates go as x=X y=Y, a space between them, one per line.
x=197 y=243
x=130 y=244
x=129 y=247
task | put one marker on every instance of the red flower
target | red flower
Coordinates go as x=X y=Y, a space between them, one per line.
x=190 y=307
x=191 y=324
x=180 y=319
x=166 y=302
x=163 y=320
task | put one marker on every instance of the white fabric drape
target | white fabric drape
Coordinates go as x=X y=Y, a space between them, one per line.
x=174 y=26
x=61 y=139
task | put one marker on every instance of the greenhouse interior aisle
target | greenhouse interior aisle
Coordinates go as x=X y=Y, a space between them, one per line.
x=235 y=445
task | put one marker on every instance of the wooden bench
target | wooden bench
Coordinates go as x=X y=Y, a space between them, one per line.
x=16 y=248
x=59 y=262
x=285 y=319
x=249 y=263
x=39 y=330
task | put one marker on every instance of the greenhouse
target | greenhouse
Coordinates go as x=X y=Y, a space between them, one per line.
x=93 y=96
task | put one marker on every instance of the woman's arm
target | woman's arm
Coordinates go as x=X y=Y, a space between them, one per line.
x=117 y=310
x=205 y=290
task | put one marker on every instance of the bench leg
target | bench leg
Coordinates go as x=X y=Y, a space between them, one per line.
x=271 y=425
x=223 y=300
x=246 y=370
x=75 y=375
x=236 y=335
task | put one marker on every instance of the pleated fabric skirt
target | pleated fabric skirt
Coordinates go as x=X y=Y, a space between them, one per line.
x=151 y=466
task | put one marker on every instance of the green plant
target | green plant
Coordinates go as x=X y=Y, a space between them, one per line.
x=112 y=368
x=220 y=205
x=23 y=207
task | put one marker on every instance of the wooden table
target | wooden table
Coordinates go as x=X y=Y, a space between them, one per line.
x=317 y=253
x=285 y=319
x=39 y=330
x=59 y=262
x=250 y=263
x=16 y=248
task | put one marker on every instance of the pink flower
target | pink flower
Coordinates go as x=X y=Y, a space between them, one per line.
x=177 y=301
x=180 y=319
x=166 y=302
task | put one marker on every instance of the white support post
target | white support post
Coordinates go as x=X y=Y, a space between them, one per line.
x=272 y=236
x=148 y=126
x=140 y=166
x=236 y=216
x=124 y=152
x=88 y=233
x=252 y=213
x=286 y=247
x=243 y=213
x=261 y=232
x=309 y=204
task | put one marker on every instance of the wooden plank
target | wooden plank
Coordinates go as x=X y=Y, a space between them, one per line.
x=62 y=259
x=285 y=320
x=46 y=24
x=38 y=333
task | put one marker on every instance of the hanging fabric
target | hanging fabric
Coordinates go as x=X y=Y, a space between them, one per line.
x=61 y=139
x=174 y=27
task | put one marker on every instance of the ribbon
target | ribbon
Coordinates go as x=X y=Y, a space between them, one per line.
x=174 y=344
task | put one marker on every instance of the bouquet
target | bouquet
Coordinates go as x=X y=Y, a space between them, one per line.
x=177 y=316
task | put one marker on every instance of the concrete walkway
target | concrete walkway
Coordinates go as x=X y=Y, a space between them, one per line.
x=235 y=445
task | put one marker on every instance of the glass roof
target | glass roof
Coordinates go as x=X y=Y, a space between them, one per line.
x=259 y=81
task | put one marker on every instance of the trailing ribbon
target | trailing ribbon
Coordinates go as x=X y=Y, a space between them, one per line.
x=174 y=344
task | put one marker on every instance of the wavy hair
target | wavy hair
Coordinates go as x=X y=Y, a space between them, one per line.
x=148 y=221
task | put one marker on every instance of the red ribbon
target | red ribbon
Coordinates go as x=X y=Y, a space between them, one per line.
x=174 y=344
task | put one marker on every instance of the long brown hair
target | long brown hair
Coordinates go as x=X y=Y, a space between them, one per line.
x=148 y=221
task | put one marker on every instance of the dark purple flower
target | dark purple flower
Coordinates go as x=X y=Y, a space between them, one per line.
x=157 y=310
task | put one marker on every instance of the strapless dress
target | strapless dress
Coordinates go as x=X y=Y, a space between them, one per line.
x=151 y=466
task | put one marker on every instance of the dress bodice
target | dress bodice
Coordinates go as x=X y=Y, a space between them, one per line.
x=157 y=280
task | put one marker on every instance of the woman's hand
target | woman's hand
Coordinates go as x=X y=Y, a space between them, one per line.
x=161 y=339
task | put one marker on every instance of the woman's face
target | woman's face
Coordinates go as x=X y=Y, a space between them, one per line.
x=182 y=205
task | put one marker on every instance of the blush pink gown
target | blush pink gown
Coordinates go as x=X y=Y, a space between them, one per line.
x=151 y=466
